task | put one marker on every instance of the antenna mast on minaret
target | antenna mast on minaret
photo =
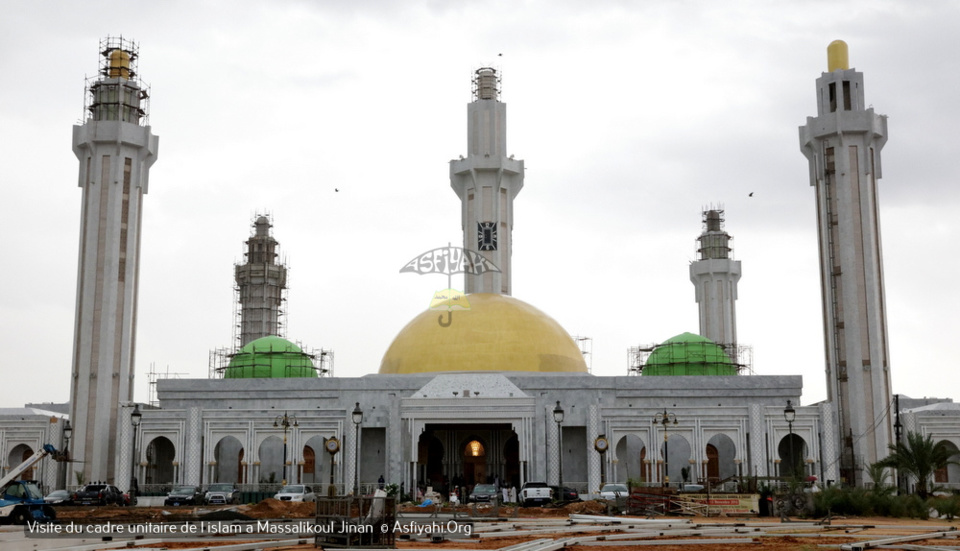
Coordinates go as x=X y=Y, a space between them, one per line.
x=842 y=144
x=487 y=181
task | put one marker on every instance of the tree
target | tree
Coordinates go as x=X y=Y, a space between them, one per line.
x=918 y=457
x=879 y=475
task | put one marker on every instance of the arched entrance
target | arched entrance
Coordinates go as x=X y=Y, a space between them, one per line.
x=160 y=455
x=949 y=474
x=430 y=462
x=677 y=451
x=720 y=452
x=631 y=451
x=19 y=454
x=474 y=462
x=792 y=450
x=460 y=456
x=316 y=463
x=271 y=460
x=308 y=475
x=228 y=454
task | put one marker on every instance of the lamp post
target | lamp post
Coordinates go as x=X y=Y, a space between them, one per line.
x=790 y=415
x=65 y=467
x=897 y=434
x=558 y=417
x=135 y=421
x=357 y=420
x=285 y=421
x=665 y=419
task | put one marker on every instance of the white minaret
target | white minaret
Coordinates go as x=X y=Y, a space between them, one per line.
x=116 y=149
x=715 y=275
x=843 y=145
x=486 y=182
x=261 y=284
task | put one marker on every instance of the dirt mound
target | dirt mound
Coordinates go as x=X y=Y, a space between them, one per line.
x=585 y=508
x=272 y=508
x=108 y=513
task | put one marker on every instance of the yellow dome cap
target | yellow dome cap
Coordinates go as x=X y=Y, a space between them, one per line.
x=497 y=333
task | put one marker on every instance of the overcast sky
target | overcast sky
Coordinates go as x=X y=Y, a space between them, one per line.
x=631 y=118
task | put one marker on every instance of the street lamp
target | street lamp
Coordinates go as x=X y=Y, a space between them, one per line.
x=558 y=417
x=665 y=419
x=790 y=415
x=135 y=421
x=67 y=433
x=285 y=421
x=357 y=419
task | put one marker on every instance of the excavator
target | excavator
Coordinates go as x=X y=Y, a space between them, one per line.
x=20 y=500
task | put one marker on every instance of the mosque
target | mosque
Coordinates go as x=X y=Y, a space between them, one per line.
x=482 y=386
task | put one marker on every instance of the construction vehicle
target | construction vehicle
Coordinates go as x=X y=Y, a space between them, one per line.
x=20 y=500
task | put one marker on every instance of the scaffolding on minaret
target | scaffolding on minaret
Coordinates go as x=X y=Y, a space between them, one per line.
x=260 y=293
x=116 y=92
x=714 y=242
x=715 y=274
x=259 y=307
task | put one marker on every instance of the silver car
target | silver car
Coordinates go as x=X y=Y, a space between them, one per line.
x=296 y=492
x=613 y=491
x=222 y=494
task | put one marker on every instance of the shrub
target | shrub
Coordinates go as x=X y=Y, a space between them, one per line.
x=861 y=502
x=946 y=506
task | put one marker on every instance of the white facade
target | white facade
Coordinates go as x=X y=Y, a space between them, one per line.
x=23 y=432
x=115 y=154
x=415 y=428
x=487 y=181
x=843 y=145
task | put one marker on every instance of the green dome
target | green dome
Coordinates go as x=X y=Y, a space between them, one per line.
x=688 y=354
x=270 y=357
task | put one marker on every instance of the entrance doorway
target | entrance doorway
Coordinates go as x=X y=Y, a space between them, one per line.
x=462 y=455
x=474 y=463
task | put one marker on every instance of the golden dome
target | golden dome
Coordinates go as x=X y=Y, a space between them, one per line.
x=496 y=333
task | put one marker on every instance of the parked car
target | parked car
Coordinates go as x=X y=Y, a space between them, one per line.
x=183 y=495
x=222 y=494
x=613 y=491
x=59 y=497
x=565 y=494
x=296 y=492
x=535 y=492
x=98 y=494
x=483 y=493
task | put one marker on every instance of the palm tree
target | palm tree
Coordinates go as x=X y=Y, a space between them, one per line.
x=879 y=475
x=918 y=457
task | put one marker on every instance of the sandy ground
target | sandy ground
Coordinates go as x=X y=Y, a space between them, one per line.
x=767 y=534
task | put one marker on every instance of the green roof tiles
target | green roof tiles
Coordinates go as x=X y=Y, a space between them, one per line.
x=270 y=357
x=688 y=354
